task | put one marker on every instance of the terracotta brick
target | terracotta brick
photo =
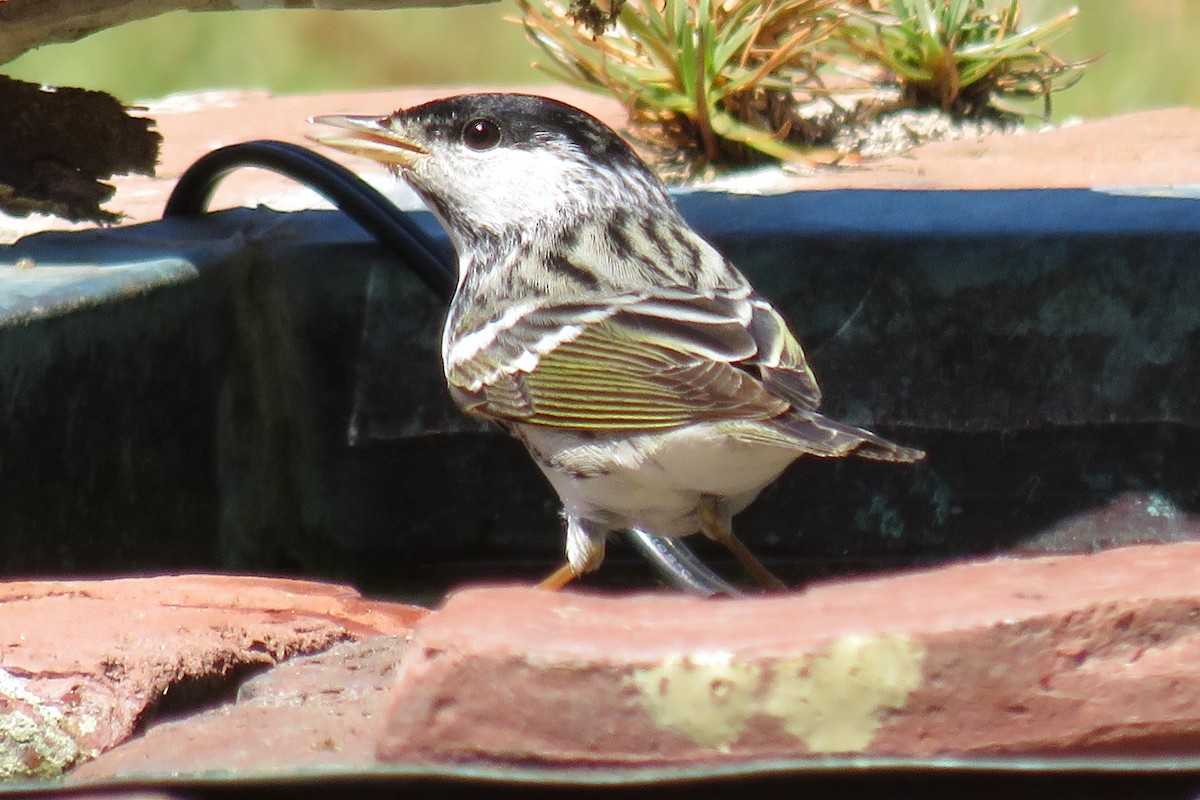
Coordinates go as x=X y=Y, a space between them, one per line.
x=81 y=661
x=313 y=714
x=1067 y=654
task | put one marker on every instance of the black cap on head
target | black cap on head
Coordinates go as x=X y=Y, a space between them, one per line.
x=523 y=120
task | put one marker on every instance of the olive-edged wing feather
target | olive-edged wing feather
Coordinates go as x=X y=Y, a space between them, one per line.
x=633 y=362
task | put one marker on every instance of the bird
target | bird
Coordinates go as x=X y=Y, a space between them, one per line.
x=650 y=382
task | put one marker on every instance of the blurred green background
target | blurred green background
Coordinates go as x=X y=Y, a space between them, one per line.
x=1149 y=48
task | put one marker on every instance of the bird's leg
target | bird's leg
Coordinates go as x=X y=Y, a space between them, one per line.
x=717 y=529
x=559 y=578
x=585 y=551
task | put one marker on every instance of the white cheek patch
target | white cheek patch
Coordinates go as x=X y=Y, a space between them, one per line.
x=505 y=187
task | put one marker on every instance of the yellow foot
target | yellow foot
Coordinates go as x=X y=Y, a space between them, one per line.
x=714 y=529
x=559 y=578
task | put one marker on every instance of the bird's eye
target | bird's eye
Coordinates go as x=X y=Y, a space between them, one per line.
x=481 y=134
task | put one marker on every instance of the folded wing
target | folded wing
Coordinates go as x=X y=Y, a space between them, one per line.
x=633 y=363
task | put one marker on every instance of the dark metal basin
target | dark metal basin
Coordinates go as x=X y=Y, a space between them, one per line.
x=261 y=391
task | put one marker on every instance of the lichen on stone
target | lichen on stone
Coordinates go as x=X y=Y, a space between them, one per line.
x=832 y=701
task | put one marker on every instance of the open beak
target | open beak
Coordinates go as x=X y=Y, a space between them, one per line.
x=370 y=137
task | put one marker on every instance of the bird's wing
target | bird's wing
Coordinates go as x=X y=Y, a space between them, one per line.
x=630 y=362
x=780 y=359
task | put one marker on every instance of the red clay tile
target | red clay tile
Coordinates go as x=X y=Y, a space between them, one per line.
x=1068 y=654
x=81 y=661
x=311 y=714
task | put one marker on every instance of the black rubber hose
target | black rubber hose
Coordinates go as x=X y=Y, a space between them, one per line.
x=375 y=213
x=394 y=230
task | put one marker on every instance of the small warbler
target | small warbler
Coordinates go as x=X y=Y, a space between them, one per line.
x=653 y=386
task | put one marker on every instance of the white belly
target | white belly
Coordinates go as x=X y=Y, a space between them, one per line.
x=655 y=482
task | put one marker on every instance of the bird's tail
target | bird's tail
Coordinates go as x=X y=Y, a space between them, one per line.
x=829 y=438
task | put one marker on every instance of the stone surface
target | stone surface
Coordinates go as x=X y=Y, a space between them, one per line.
x=1080 y=654
x=1150 y=148
x=312 y=714
x=82 y=663
x=1146 y=148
